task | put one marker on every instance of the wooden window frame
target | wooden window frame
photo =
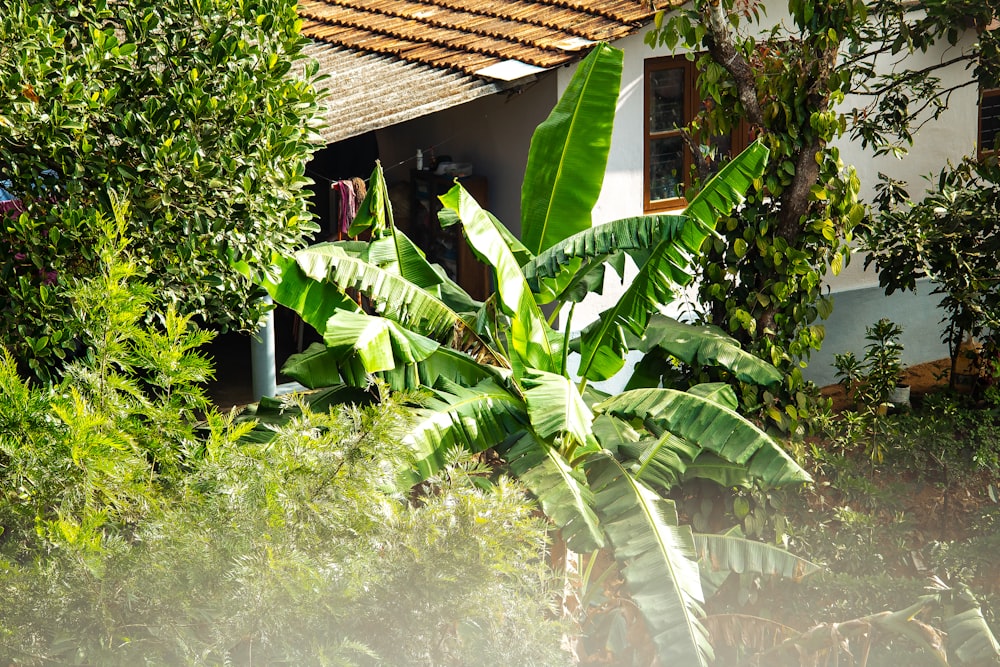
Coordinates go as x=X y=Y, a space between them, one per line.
x=650 y=66
x=982 y=149
x=739 y=139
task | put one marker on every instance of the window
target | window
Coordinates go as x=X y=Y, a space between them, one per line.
x=669 y=105
x=671 y=102
x=989 y=120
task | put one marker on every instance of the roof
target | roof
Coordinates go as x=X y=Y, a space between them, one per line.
x=392 y=60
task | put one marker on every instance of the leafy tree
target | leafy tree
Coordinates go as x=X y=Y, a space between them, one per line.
x=193 y=109
x=952 y=236
x=762 y=280
x=497 y=376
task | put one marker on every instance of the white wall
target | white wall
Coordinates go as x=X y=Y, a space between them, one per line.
x=861 y=301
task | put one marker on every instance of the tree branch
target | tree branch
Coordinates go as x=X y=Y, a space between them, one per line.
x=720 y=45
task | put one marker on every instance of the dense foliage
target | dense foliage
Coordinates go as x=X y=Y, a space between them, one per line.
x=763 y=280
x=139 y=526
x=951 y=236
x=501 y=377
x=191 y=109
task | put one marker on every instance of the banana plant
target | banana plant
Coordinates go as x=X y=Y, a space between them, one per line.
x=496 y=375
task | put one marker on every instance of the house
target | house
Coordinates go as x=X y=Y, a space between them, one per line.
x=471 y=79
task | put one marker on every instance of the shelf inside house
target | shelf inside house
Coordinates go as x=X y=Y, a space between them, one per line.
x=447 y=246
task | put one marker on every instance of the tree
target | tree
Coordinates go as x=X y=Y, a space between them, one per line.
x=763 y=279
x=192 y=110
x=952 y=236
x=496 y=373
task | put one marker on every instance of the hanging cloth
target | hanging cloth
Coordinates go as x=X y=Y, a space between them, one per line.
x=347 y=205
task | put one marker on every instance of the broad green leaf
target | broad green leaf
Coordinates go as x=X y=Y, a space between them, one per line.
x=474 y=418
x=710 y=426
x=656 y=556
x=582 y=252
x=727 y=189
x=732 y=552
x=315 y=301
x=393 y=297
x=319 y=366
x=398 y=254
x=603 y=345
x=531 y=336
x=569 y=153
x=717 y=469
x=662 y=460
x=970 y=638
x=717 y=392
x=379 y=343
x=561 y=490
x=614 y=434
x=555 y=407
x=521 y=254
x=706 y=346
x=374 y=211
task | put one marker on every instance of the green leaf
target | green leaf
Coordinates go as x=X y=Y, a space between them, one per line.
x=732 y=552
x=531 y=337
x=569 y=153
x=561 y=490
x=717 y=392
x=706 y=345
x=474 y=418
x=391 y=295
x=710 y=426
x=597 y=244
x=555 y=407
x=656 y=556
x=603 y=345
x=970 y=638
x=315 y=301
x=379 y=344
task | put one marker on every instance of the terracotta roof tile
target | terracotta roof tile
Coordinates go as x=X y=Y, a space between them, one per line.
x=467 y=35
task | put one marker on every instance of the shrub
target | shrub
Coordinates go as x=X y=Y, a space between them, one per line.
x=952 y=236
x=191 y=109
x=142 y=527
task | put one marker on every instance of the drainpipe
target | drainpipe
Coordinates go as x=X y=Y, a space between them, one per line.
x=262 y=361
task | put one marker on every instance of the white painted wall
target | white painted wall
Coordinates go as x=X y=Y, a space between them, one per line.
x=861 y=301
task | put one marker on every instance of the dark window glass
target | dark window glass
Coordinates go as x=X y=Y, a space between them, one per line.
x=666 y=168
x=989 y=120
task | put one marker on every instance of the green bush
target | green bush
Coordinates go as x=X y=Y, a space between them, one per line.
x=191 y=109
x=139 y=526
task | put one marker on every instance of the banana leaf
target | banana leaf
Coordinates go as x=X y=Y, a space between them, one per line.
x=315 y=301
x=732 y=552
x=656 y=556
x=709 y=426
x=706 y=346
x=532 y=340
x=603 y=345
x=593 y=246
x=555 y=407
x=970 y=639
x=379 y=344
x=561 y=490
x=569 y=153
x=474 y=418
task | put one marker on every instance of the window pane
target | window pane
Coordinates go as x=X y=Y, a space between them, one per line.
x=666 y=104
x=666 y=168
x=989 y=127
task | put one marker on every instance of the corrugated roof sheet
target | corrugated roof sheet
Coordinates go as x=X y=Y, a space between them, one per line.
x=392 y=60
